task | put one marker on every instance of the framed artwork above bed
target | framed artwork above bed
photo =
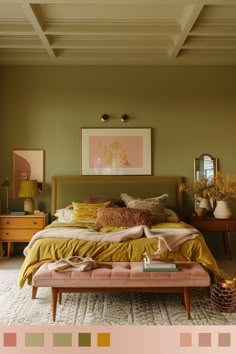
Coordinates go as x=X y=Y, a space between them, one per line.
x=116 y=151
x=27 y=164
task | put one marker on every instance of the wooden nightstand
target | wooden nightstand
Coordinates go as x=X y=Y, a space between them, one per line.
x=20 y=228
x=226 y=226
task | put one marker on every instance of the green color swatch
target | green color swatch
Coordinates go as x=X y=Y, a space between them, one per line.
x=62 y=339
x=84 y=339
x=34 y=339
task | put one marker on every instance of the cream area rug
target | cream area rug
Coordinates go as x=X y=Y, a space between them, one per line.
x=17 y=307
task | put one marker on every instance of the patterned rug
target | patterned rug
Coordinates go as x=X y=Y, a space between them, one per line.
x=17 y=308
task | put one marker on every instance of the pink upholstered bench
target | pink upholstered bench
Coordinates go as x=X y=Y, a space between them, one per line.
x=122 y=276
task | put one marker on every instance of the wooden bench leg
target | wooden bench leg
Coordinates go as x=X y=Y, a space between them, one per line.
x=54 y=302
x=34 y=292
x=59 y=297
x=187 y=302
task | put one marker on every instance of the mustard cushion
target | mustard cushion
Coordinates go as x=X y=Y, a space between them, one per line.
x=87 y=212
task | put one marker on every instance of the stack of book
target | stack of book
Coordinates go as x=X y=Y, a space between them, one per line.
x=18 y=213
x=159 y=266
x=38 y=212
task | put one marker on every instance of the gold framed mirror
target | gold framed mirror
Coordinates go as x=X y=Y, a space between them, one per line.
x=205 y=166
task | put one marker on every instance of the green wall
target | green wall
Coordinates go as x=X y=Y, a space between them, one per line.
x=191 y=110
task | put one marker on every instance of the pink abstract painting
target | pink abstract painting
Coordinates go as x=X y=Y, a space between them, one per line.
x=116 y=151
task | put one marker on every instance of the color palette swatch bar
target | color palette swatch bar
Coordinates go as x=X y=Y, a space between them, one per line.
x=204 y=339
x=117 y=339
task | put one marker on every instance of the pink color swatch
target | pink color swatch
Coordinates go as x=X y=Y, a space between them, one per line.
x=204 y=339
x=9 y=340
x=185 y=339
x=224 y=339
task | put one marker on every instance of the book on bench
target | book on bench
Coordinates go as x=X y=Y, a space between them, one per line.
x=159 y=266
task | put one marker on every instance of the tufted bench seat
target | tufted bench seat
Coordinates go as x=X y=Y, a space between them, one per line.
x=121 y=276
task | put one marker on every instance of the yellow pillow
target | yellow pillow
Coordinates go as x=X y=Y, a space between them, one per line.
x=87 y=212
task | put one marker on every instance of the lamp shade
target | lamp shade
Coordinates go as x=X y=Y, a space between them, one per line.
x=28 y=188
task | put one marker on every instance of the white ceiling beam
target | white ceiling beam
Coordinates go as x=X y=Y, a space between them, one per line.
x=35 y=21
x=112 y=45
x=20 y=43
x=188 y=21
x=209 y=28
x=113 y=28
x=120 y=2
x=107 y=2
x=210 y=43
x=13 y=28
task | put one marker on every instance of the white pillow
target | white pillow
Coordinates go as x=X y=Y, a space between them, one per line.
x=64 y=215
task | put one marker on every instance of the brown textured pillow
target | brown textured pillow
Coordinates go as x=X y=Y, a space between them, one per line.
x=113 y=202
x=155 y=205
x=126 y=217
x=170 y=215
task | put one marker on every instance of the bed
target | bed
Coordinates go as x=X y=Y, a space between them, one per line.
x=117 y=243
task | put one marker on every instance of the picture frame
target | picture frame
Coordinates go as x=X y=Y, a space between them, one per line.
x=27 y=164
x=116 y=151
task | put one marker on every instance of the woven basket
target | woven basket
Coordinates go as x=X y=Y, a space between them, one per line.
x=223 y=299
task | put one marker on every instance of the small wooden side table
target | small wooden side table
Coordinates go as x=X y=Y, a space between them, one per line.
x=20 y=228
x=226 y=226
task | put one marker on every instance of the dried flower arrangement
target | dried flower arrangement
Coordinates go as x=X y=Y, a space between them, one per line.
x=217 y=187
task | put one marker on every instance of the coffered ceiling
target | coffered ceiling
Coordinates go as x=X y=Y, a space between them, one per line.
x=118 y=32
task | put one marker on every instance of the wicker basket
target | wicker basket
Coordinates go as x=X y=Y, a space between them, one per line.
x=223 y=299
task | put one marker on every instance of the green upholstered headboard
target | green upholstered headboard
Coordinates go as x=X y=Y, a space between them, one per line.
x=66 y=189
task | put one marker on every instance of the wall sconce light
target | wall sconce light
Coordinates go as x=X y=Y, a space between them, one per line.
x=124 y=118
x=6 y=184
x=105 y=118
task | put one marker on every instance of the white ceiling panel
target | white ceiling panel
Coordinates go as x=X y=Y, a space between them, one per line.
x=170 y=32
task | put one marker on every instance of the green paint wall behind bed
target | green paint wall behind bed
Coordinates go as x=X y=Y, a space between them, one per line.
x=191 y=110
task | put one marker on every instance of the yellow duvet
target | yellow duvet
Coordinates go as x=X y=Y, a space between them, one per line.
x=52 y=249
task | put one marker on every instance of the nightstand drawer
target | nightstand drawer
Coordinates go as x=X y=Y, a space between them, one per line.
x=17 y=235
x=221 y=225
x=22 y=222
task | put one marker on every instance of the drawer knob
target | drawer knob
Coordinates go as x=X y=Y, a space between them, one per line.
x=7 y=233
x=8 y=222
x=35 y=222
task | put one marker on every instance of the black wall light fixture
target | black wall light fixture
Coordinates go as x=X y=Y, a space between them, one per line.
x=105 y=118
x=124 y=118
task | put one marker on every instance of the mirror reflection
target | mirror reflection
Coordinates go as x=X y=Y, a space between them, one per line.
x=205 y=166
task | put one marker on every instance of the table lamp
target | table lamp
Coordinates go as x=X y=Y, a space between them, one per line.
x=28 y=189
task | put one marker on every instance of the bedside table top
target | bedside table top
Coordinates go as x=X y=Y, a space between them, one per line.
x=213 y=224
x=208 y=218
x=23 y=216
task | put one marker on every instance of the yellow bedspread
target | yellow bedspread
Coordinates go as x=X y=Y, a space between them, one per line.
x=52 y=249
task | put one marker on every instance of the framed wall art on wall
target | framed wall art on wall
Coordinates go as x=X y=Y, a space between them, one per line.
x=27 y=164
x=116 y=151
